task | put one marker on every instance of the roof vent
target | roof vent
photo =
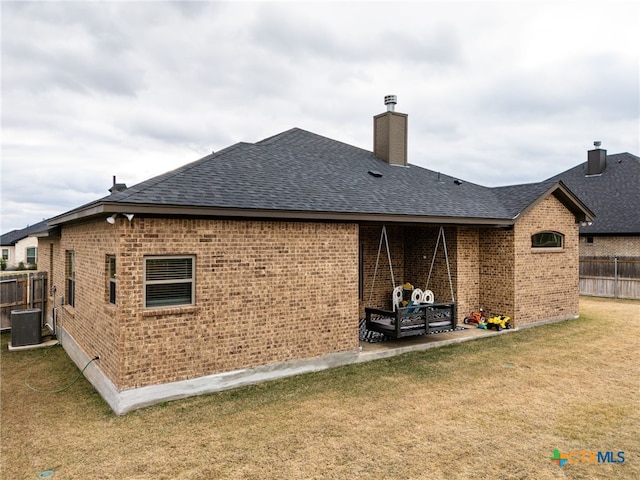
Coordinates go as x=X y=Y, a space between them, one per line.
x=374 y=173
x=117 y=187
x=390 y=101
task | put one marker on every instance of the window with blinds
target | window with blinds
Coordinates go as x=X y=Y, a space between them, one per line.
x=111 y=265
x=169 y=281
x=70 y=274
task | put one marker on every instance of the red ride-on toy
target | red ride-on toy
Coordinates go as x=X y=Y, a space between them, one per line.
x=475 y=318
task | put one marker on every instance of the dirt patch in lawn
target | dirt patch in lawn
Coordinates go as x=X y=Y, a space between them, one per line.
x=491 y=408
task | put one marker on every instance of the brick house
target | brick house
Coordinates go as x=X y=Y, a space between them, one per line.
x=256 y=262
x=610 y=185
x=610 y=245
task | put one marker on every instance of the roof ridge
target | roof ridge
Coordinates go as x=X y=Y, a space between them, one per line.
x=124 y=194
x=272 y=138
x=528 y=184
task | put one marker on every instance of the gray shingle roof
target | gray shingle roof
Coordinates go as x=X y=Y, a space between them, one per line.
x=516 y=198
x=14 y=236
x=614 y=196
x=299 y=171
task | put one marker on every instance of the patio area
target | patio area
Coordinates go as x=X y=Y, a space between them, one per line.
x=390 y=348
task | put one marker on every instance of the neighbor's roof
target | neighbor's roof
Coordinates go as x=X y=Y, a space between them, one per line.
x=614 y=195
x=298 y=174
x=14 y=236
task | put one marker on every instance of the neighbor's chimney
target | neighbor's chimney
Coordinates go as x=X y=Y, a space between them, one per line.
x=596 y=160
x=390 y=134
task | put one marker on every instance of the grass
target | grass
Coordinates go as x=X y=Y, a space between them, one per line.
x=488 y=409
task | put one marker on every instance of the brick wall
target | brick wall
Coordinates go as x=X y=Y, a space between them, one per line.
x=265 y=292
x=380 y=296
x=496 y=272
x=421 y=244
x=411 y=255
x=269 y=291
x=468 y=270
x=546 y=280
x=93 y=322
x=493 y=268
x=610 y=247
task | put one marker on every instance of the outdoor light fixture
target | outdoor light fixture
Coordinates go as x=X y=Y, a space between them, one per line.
x=112 y=218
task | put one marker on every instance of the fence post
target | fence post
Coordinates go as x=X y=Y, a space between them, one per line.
x=30 y=290
x=615 y=277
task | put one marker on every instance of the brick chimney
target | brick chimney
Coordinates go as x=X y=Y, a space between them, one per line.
x=390 y=134
x=596 y=160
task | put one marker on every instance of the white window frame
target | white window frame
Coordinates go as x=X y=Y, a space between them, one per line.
x=35 y=255
x=170 y=281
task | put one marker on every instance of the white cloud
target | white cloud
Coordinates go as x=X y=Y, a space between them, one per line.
x=496 y=92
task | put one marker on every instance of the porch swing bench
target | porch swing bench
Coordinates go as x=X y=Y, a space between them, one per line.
x=421 y=316
x=412 y=320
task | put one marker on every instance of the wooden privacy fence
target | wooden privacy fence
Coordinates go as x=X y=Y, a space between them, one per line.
x=21 y=291
x=617 y=277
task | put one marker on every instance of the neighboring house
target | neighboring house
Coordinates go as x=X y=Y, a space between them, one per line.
x=21 y=246
x=257 y=261
x=610 y=245
x=610 y=186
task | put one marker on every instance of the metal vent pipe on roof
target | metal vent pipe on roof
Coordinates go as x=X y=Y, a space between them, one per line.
x=390 y=101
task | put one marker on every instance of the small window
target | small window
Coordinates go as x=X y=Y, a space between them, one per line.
x=361 y=272
x=5 y=254
x=111 y=265
x=169 y=281
x=51 y=261
x=70 y=274
x=32 y=253
x=547 y=240
x=590 y=240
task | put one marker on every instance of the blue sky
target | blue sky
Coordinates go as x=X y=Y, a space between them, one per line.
x=496 y=92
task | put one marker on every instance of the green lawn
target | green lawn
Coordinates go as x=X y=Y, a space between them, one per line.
x=487 y=409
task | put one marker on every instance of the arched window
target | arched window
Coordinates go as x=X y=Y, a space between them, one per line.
x=547 y=240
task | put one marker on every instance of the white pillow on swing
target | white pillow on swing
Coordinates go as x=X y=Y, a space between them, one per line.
x=397 y=296
x=427 y=297
x=416 y=296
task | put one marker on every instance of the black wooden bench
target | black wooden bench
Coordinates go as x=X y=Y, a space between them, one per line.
x=412 y=320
